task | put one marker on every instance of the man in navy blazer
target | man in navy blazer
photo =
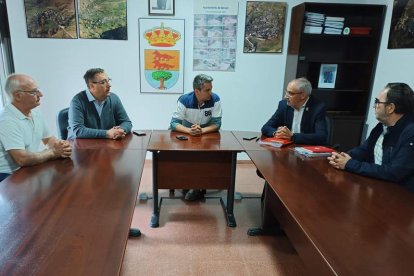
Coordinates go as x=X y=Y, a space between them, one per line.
x=299 y=117
x=388 y=153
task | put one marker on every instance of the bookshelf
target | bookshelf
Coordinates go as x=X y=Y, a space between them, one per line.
x=354 y=56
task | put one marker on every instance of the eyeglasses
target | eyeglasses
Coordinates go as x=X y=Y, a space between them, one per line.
x=104 y=81
x=291 y=94
x=33 y=92
x=377 y=102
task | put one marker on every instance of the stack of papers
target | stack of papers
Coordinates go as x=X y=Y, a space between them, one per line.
x=275 y=142
x=314 y=151
x=314 y=23
x=333 y=25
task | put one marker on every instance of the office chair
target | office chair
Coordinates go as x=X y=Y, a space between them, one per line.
x=329 y=130
x=329 y=140
x=62 y=123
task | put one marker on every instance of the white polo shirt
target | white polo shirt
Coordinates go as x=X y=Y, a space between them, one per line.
x=19 y=132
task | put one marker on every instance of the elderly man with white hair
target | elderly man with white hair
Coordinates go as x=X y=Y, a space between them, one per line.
x=22 y=128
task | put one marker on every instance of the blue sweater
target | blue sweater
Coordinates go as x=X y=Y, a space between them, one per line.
x=84 y=120
x=397 y=158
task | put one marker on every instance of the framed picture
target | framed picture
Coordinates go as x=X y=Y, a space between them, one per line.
x=161 y=52
x=102 y=20
x=265 y=25
x=327 y=75
x=161 y=7
x=402 y=25
x=50 y=19
x=215 y=35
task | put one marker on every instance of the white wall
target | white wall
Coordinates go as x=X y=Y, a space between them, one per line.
x=249 y=94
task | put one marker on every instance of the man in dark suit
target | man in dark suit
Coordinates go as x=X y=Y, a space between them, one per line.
x=300 y=118
x=388 y=153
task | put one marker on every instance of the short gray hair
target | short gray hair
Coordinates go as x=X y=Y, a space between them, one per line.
x=90 y=74
x=303 y=85
x=13 y=83
x=200 y=80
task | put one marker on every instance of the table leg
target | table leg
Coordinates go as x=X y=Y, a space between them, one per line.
x=231 y=221
x=155 y=211
x=270 y=225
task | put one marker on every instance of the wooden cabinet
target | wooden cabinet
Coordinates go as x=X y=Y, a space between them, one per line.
x=354 y=55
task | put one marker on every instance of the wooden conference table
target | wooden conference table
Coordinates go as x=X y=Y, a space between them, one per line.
x=340 y=223
x=201 y=162
x=72 y=216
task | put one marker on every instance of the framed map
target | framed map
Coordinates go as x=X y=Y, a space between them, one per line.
x=95 y=19
x=402 y=25
x=50 y=19
x=215 y=33
x=103 y=19
x=265 y=25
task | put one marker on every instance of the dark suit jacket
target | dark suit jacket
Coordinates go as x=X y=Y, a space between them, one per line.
x=397 y=154
x=313 y=125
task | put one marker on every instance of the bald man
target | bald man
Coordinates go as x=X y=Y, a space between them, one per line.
x=22 y=129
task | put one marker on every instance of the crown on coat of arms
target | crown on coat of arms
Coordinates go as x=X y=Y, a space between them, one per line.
x=162 y=37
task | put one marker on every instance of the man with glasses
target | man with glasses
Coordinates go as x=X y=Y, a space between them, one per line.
x=299 y=118
x=96 y=112
x=388 y=153
x=22 y=128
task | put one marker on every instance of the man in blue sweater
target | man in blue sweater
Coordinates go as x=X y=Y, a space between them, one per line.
x=388 y=153
x=97 y=113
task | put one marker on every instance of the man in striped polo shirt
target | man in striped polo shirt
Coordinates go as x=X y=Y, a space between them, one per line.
x=198 y=112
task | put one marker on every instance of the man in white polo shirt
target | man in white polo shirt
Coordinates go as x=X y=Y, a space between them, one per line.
x=22 y=128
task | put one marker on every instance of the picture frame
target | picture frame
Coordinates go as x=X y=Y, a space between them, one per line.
x=161 y=7
x=264 y=27
x=47 y=19
x=327 y=75
x=161 y=55
x=401 y=28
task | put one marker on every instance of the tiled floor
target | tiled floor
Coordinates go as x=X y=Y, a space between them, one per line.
x=193 y=238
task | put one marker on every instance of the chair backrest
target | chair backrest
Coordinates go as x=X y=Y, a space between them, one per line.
x=62 y=123
x=329 y=129
x=330 y=138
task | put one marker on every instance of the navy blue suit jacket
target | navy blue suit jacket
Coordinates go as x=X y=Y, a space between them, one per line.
x=313 y=125
x=397 y=157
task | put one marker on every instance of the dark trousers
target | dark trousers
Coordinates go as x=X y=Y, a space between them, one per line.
x=3 y=176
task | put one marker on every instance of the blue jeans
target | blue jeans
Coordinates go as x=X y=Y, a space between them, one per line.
x=3 y=176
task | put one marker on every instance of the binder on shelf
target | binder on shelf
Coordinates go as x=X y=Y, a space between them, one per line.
x=275 y=142
x=360 y=30
x=312 y=29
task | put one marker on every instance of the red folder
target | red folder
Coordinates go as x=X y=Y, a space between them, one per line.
x=318 y=149
x=275 y=142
